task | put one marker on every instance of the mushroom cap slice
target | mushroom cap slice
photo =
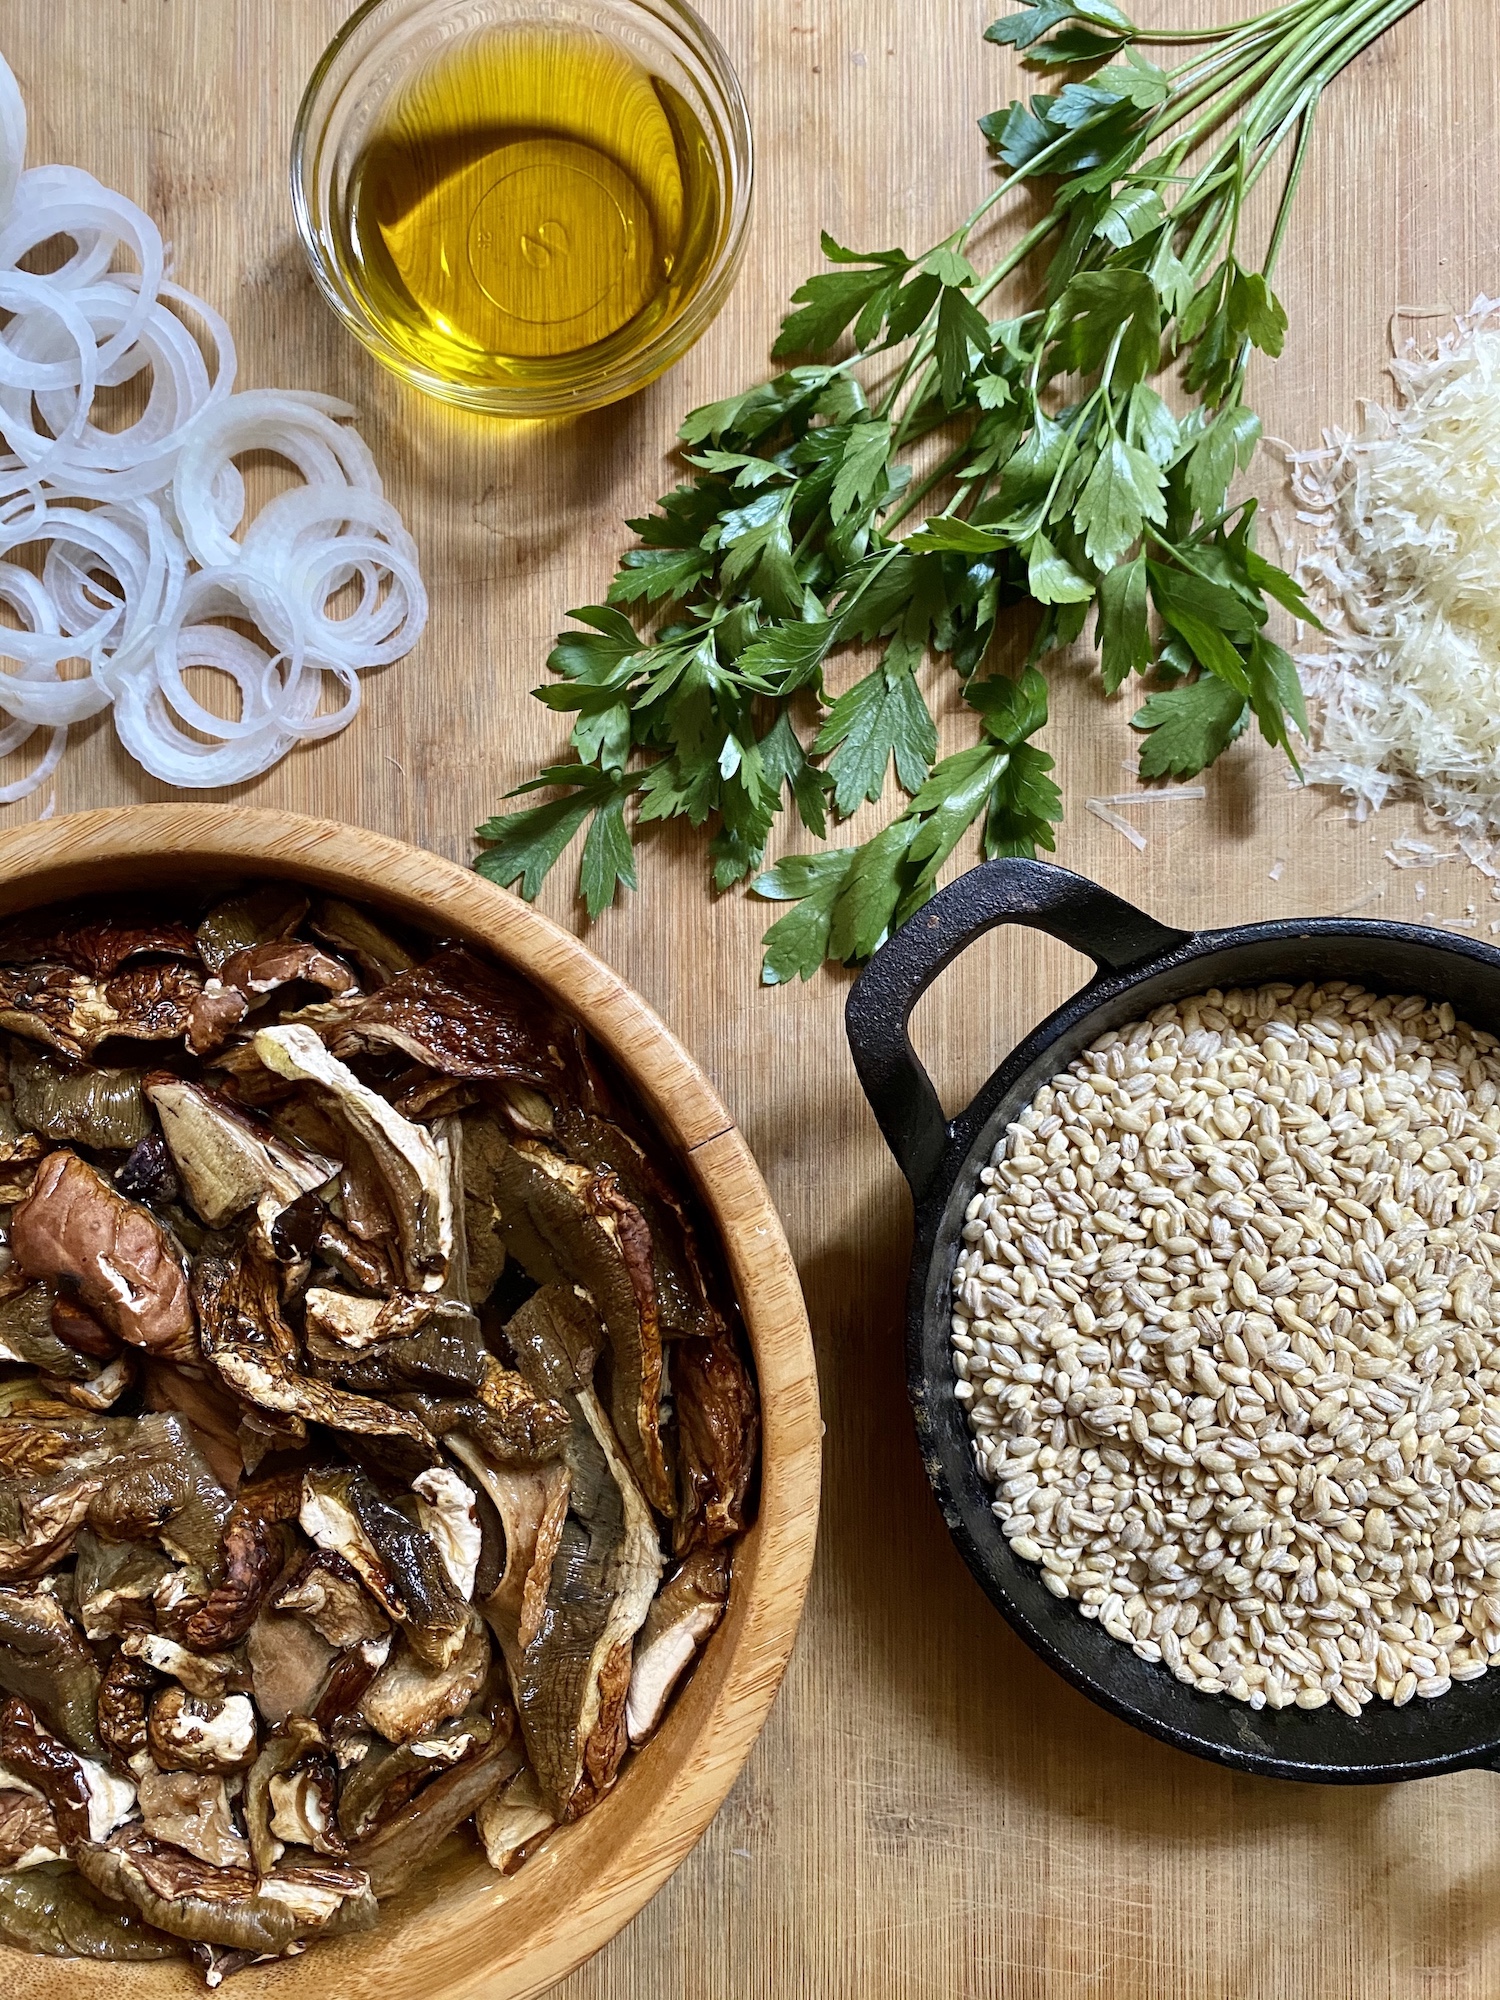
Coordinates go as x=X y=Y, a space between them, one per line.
x=229 y=1160
x=410 y=1698
x=227 y=1906
x=567 y=1621
x=44 y=1662
x=243 y=1334
x=568 y=1224
x=101 y=1108
x=683 y=1614
x=28 y=1832
x=510 y=1819
x=392 y=1855
x=718 y=1439
x=408 y=1161
x=274 y=910
x=53 y=1911
x=158 y=1486
x=190 y=1810
x=259 y=969
x=72 y=1013
x=76 y=1230
x=457 y=1015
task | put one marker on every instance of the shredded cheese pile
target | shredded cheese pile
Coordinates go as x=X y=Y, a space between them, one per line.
x=1405 y=571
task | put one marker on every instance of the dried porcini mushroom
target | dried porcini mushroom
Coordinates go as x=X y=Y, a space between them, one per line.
x=261 y=969
x=405 y=1157
x=227 y=1906
x=328 y=1593
x=682 y=1617
x=228 y=1160
x=74 y=1229
x=190 y=1810
x=359 y=1366
x=99 y=1108
x=570 y=1224
x=189 y=1732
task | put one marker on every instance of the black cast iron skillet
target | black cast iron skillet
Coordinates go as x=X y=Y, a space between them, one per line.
x=1141 y=964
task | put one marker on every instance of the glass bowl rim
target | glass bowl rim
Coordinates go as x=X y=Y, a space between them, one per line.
x=631 y=372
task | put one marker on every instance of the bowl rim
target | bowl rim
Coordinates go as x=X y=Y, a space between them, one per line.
x=595 y=1875
x=671 y=341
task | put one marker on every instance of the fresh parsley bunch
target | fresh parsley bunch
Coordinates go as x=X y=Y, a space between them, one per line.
x=1073 y=490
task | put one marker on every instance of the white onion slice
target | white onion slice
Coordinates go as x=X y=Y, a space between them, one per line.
x=100 y=528
x=65 y=201
x=300 y=538
x=294 y=424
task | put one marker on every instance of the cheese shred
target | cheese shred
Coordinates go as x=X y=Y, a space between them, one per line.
x=1404 y=569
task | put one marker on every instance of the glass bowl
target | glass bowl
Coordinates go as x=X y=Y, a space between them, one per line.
x=359 y=92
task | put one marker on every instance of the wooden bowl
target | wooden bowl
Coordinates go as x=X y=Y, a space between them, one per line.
x=462 y=1930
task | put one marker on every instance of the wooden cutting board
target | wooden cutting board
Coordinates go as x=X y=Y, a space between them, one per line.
x=931 y=1815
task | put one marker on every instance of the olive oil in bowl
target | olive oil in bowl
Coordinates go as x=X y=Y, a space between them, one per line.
x=533 y=216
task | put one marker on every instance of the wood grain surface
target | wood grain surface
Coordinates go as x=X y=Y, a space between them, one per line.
x=930 y=1815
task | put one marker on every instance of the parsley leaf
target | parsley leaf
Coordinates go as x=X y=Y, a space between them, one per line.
x=1188 y=727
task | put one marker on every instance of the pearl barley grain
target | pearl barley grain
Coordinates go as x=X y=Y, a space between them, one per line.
x=1225 y=1325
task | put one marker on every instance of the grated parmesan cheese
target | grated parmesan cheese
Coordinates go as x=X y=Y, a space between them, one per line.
x=1405 y=568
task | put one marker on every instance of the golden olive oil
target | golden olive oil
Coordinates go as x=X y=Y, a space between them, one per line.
x=533 y=206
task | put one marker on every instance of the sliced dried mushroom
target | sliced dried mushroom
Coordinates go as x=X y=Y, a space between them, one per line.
x=392 y=1855
x=101 y=1108
x=227 y=1906
x=159 y=1486
x=409 y=1697
x=408 y=1161
x=329 y=1595
x=124 y=1697
x=207 y=1675
x=379 y=956
x=74 y=1229
x=243 y=1334
x=567 y=1224
x=568 y=1631
x=390 y=1774
x=187 y=1732
x=87 y=1799
x=346 y=1320
x=684 y=1304
x=448 y=1355
x=213 y=1017
x=190 y=1810
x=94 y=940
x=254 y=1553
x=300 y=1738
x=289 y=1665
x=56 y=1913
x=345 y=1512
x=510 y=1819
x=44 y=1661
x=718 y=1431
x=259 y=970
x=256 y=916
x=28 y=1332
x=459 y=1016
x=230 y=1160
x=113 y=1585
x=304 y=1807
x=29 y=1836
x=683 y=1614
x=447 y=1511
x=74 y=1014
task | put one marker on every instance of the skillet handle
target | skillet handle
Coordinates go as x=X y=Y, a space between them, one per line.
x=1046 y=898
